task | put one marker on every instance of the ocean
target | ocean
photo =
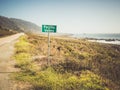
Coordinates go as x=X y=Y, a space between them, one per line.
x=101 y=38
x=98 y=36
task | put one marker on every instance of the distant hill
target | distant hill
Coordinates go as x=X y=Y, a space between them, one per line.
x=10 y=26
x=6 y=23
x=26 y=26
x=7 y=27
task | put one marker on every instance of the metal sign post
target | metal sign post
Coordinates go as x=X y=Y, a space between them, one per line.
x=48 y=48
x=49 y=28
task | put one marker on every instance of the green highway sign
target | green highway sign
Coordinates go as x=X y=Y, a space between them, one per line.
x=49 y=28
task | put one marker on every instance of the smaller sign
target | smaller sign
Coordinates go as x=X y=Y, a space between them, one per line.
x=49 y=28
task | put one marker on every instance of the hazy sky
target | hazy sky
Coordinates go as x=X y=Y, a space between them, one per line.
x=70 y=16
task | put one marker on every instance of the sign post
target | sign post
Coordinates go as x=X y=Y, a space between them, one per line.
x=48 y=29
x=48 y=48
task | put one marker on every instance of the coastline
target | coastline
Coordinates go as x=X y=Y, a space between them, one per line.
x=72 y=37
x=100 y=38
x=116 y=42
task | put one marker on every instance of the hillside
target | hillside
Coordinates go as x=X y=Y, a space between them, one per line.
x=26 y=26
x=75 y=64
x=6 y=23
x=7 y=27
x=10 y=26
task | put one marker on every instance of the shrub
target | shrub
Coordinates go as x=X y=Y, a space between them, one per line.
x=91 y=81
x=23 y=45
x=48 y=79
x=23 y=56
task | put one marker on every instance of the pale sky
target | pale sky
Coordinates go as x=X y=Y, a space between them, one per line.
x=70 y=16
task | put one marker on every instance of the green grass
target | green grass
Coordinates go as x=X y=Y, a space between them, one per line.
x=23 y=45
x=23 y=56
x=49 y=79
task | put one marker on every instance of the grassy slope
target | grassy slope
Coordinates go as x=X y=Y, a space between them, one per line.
x=79 y=64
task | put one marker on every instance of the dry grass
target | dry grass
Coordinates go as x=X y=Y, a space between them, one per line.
x=75 y=64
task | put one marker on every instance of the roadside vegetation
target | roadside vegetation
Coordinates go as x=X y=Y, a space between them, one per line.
x=74 y=64
x=6 y=32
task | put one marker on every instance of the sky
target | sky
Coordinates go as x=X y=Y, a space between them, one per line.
x=70 y=16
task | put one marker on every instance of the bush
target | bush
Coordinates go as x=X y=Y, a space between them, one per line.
x=91 y=81
x=23 y=56
x=48 y=79
x=23 y=45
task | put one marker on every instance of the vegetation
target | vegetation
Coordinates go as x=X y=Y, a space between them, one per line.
x=5 y=32
x=7 y=27
x=26 y=26
x=75 y=64
x=48 y=79
x=10 y=26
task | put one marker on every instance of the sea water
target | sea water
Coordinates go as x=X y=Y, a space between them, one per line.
x=98 y=36
x=101 y=38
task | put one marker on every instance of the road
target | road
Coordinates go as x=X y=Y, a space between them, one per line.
x=6 y=61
